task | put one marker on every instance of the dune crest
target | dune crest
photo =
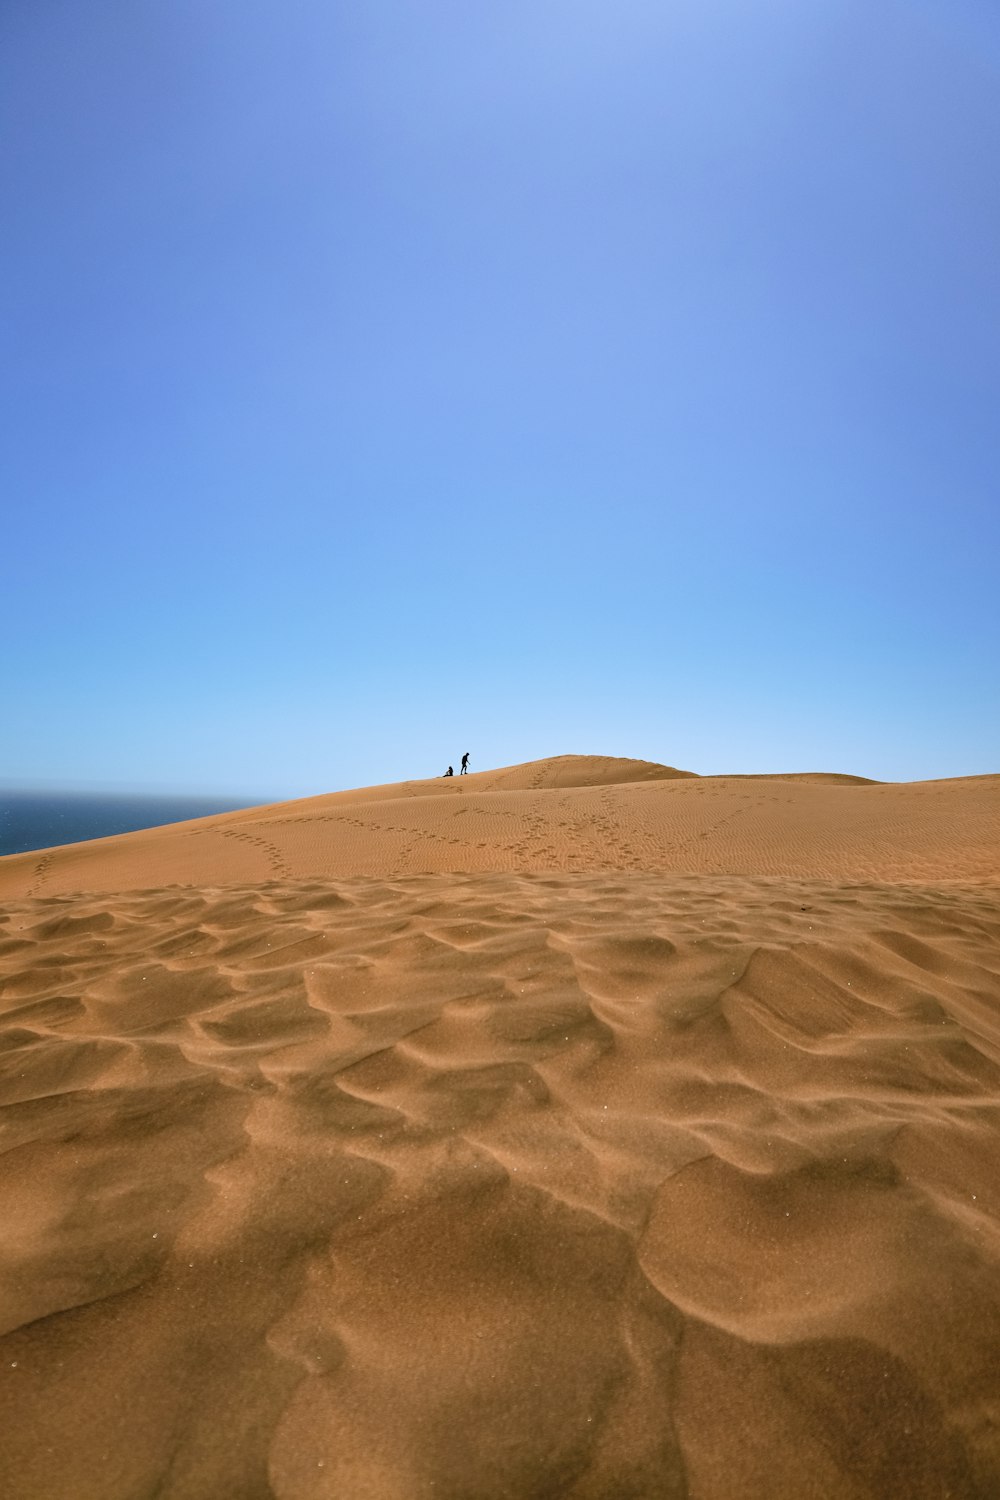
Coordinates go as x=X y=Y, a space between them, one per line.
x=570 y=814
x=572 y=1167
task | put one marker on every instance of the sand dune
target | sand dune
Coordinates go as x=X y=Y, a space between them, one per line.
x=573 y=813
x=581 y=1129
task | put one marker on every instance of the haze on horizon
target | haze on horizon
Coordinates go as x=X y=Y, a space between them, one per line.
x=521 y=380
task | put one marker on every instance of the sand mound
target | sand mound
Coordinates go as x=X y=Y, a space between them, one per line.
x=565 y=815
x=628 y=1181
x=831 y=778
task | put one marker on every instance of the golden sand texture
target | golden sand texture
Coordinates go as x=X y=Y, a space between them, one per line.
x=634 y=1180
x=570 y=814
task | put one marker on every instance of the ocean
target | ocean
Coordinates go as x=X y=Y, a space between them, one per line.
x=37 y=820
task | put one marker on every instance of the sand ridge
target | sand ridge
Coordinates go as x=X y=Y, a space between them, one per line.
x=541 y=1181
x=569 y=814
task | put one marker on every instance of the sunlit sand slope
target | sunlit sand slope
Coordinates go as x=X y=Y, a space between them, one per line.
x=500 y=1186
x=548 y=817
x=537 y=1181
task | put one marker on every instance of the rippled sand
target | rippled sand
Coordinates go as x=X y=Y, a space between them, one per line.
x=594 y=1173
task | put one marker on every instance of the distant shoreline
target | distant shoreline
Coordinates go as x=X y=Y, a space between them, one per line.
x=40 y=820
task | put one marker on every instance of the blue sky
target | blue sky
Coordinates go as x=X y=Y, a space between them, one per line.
x=387 y=381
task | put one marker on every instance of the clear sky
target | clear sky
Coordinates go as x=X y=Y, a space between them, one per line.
x=389 y=380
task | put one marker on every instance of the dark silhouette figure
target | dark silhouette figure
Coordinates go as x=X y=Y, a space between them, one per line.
x=450 y=771
x=465 y=764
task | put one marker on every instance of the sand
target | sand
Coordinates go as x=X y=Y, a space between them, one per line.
x=585 y=1128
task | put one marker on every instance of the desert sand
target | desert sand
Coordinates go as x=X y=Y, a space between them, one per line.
x=586 y=1128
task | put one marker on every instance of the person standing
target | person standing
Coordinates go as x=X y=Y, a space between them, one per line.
x=465 y=764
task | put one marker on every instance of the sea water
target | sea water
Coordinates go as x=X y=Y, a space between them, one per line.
x=37 y=820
